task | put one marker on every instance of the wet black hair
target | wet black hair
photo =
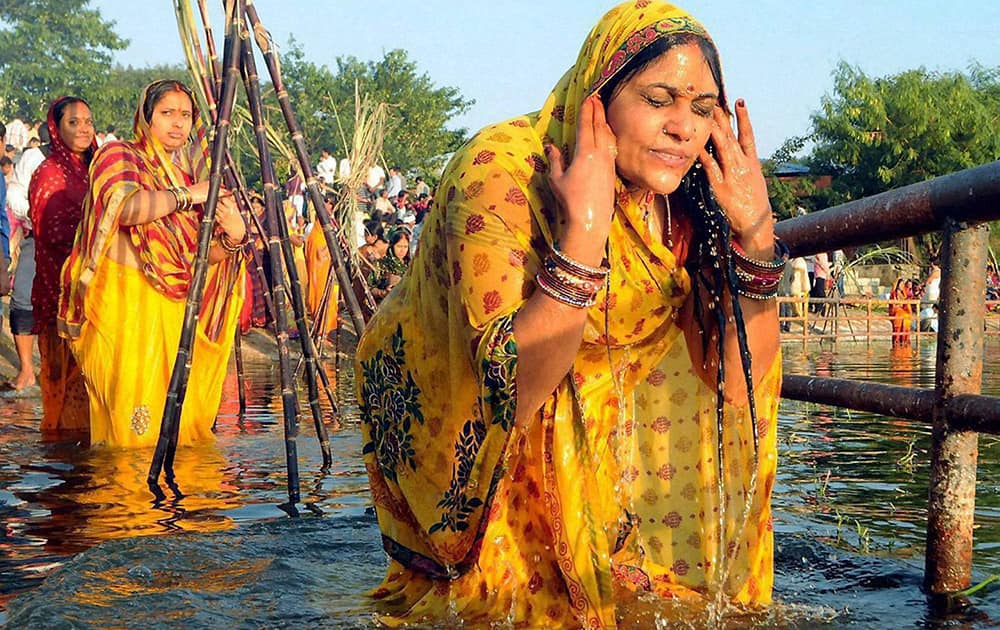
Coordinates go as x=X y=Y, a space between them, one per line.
x=158 y=90
x=710 y=262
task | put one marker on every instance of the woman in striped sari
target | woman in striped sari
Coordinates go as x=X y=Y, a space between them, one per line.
x=127 y=278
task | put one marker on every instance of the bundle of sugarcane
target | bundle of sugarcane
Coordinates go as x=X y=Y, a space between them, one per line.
x=166 y=444
x=215 y=89
x=363 y=151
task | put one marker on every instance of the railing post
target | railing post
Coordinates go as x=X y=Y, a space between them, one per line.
x=952 y=484
x=868 y=322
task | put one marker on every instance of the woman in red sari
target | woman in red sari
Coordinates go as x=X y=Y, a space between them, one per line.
x=56 y=196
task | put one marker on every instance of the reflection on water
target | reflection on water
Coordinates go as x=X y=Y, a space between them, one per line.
x=849 y=517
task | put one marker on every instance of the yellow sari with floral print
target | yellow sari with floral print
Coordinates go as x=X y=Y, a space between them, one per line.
x=613 y=487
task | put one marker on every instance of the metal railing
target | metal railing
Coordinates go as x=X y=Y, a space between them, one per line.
x=862 y=319
x=958 y=205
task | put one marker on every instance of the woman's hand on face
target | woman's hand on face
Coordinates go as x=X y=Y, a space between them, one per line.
x=586 y=188
x=737 y=181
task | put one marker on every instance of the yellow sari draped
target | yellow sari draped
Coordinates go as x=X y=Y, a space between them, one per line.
x=123 y=323
x=613 y=486
x=318 y=263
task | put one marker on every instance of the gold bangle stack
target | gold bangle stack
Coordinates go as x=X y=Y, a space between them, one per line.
x=182 y=197
x=231 y=247
x=569 y=281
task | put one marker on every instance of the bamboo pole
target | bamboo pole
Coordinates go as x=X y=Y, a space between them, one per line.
x=166 y=444
x=240 y=375
x=251 y=81
x=213 y=58
x=196 y=59
x=329 y=230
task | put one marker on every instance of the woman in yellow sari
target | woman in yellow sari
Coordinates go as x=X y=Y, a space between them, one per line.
x=559 y=408
x=126 y=281
x=320 y=266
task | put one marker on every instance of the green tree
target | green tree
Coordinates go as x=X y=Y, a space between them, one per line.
x=416 y=133
x=785 y=196
x=883 y=133
x=876 y=134
x=49 y=48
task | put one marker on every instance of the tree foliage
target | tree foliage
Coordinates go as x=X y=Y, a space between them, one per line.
x=416 y=135
x=49 y=48
x=875 y=134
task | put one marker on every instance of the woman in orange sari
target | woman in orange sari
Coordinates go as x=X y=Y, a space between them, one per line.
x=126 y=282
x=58 y=189
x=900 y=313
x=559 y=407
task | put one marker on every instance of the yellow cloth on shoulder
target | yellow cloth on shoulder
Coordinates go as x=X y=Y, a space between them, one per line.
x=613 y=485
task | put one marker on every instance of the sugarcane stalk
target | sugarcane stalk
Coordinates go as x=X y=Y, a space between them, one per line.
x=254 y=100
x=213 y=58
x=240 y=375
x=195 y=57
x=166 y=444
x=295 y=130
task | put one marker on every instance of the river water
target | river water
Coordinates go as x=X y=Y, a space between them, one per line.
x=85 y=544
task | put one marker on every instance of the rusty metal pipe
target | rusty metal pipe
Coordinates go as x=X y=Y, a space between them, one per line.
x=971 y=195
x=889 y=400
x=968 y=412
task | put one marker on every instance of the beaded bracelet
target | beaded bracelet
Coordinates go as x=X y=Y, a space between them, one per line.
x=759 y=279
x=781 y=253
x=562 y=293
x=559 y=274
x=231 y=247
x=577 y=268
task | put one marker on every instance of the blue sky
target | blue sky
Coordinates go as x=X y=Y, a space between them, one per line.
x=507 y=55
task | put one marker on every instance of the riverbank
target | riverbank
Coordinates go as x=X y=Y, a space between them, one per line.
x=259 y=345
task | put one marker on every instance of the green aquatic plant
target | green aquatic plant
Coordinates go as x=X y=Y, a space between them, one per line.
x=978 y=587
x=864 y=537
x=905 y=462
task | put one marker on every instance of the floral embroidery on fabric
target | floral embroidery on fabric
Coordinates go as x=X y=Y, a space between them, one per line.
x=641 y=39
x=140 y=419
x=499 y=371
x=389 y=405
x=458 y=504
